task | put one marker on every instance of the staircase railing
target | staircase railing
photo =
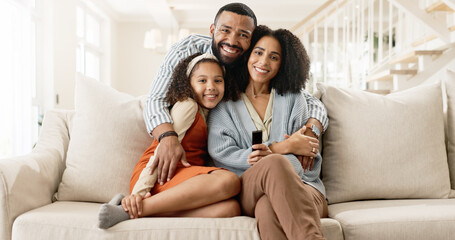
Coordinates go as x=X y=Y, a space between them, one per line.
x=348 y=40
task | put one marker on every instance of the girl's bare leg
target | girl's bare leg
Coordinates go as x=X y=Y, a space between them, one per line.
x=206 y=195
x=225 y=208
x=196 y=192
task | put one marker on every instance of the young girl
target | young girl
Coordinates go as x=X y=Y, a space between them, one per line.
x=197 y=85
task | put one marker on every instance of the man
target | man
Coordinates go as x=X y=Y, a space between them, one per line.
x=230 y=37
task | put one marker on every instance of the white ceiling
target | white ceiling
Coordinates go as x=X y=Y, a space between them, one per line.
x=200 y=13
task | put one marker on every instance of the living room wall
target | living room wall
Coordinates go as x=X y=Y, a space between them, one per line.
x=132 y=67
x=135 y=67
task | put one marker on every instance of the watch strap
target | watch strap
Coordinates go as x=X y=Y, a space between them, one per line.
x=314 y=129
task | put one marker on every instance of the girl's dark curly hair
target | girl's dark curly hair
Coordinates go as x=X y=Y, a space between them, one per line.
x=295 y=63
x=180 y=87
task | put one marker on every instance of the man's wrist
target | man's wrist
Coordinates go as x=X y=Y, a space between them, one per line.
x=162 y=128
x=167 y=134
x=313 y=130
x=315 y=122
x=309 y=133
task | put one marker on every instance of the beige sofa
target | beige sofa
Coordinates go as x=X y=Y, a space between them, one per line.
x=386 y=170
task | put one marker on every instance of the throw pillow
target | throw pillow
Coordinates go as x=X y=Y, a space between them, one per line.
x=384 y=147
x=108 y=137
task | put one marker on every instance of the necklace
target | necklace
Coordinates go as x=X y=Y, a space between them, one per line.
x=256 y=95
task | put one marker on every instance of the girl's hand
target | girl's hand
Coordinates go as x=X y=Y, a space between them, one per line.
x=132 y=204
x=259 y=152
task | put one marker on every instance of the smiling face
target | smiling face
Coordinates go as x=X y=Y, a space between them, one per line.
x=265 y=60
x=231 y=36
x=208 y=84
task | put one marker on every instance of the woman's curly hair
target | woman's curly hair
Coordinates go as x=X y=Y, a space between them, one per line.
x=180 y=88
x=295 y=63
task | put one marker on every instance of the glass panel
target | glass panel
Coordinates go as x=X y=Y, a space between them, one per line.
x=6 y=74
x=92 y=65
x=32 y=60
x=80 y=22
x=17 y=71
x=80 y=59
x=93 y=30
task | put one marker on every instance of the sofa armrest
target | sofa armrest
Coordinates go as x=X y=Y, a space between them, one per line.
x=28 y=182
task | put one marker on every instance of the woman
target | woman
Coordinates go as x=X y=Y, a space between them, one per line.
x=286 y=200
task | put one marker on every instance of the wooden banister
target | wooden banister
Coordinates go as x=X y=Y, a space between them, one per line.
x=312 y=15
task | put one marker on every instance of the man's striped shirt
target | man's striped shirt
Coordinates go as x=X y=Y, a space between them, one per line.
x=156 y=111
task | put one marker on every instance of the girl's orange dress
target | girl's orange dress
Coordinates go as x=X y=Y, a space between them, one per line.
x=195 y=145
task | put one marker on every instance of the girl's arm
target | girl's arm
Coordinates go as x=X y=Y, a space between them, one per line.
x=183 y=114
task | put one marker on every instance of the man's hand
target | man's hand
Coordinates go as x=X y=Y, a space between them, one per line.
x=167 y=156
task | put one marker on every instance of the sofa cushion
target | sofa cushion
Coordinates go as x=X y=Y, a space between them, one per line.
x=384 y=147
x=108 y=136
x=78 y=220
x=450 y=88
x=396 y=219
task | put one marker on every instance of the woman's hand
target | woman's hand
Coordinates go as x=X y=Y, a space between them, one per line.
x=132 y=204
x=302 y=145
x=259 y=152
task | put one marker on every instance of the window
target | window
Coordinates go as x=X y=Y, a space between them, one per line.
x=18 y=94
x=93 y=42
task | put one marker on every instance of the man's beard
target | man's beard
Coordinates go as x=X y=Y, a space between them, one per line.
x=222 y=59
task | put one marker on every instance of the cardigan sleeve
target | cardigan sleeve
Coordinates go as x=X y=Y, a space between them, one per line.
x=225 y=141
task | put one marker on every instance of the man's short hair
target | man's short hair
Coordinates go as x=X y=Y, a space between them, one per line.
x=238 y=8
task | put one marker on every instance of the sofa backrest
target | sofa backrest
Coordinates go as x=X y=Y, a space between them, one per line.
x=384 y=147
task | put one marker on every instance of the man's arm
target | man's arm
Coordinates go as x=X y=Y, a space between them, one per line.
x=158 y=120
x=318 y=117
x=156 y=109
x=318 y=113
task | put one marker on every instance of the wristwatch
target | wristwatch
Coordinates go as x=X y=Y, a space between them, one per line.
x=314 y=129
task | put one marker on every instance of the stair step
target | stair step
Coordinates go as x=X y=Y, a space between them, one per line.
x=439 y=6
x=404 y=71
x=388 y=74
x=413 y=57
x=383 y=76
x=424 y=40
x=430 y=37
